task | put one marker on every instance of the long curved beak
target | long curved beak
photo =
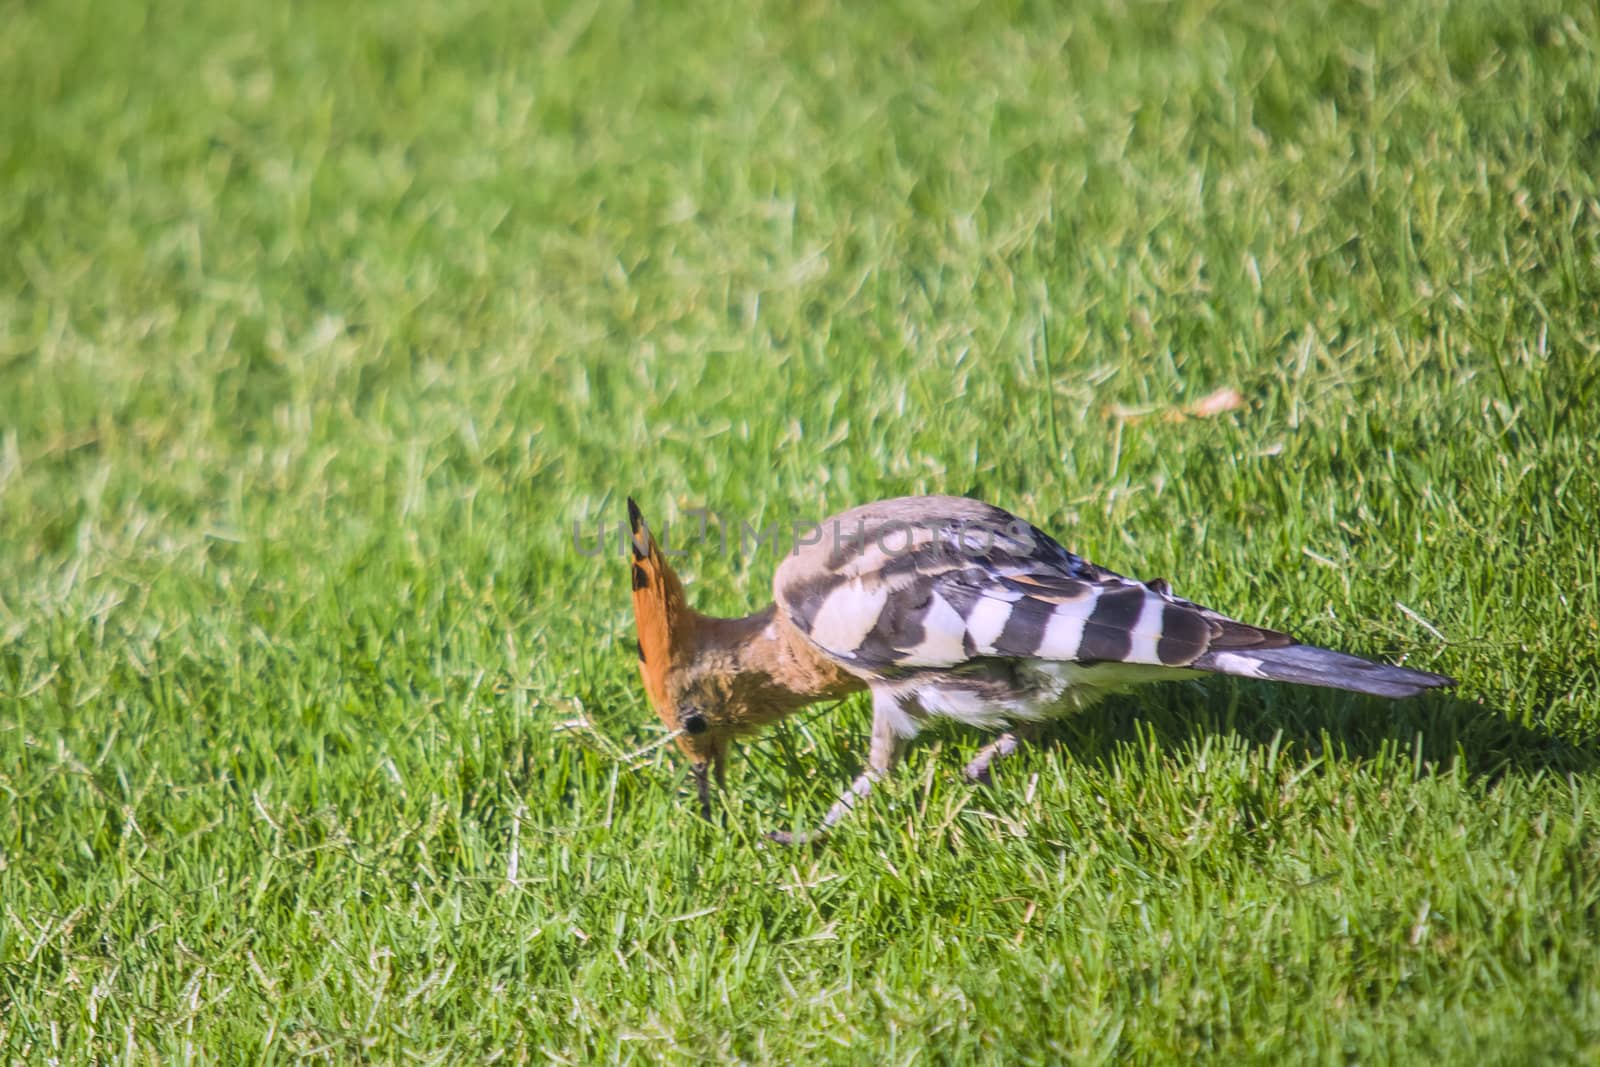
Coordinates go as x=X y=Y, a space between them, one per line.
x=717 y=765
x=702 y=786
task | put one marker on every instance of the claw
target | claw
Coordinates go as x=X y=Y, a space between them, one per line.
x=978 y=771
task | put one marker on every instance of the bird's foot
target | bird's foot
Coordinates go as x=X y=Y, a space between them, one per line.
x=978 y=771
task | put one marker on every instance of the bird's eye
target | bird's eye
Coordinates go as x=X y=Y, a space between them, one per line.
x=694 y=723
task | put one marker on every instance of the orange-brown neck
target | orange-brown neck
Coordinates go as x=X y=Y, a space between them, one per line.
x=764 y=668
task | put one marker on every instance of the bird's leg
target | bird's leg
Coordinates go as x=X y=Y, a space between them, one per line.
x=886 y=714
x=999 y=749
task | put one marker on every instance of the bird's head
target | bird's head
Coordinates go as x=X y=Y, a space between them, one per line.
x=688 y=699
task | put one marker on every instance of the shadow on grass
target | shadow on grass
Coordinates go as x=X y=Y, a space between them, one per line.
x=1438 y=729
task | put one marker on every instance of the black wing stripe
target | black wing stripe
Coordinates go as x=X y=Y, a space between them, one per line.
x=1023 y=632
x=1184 y=635
x=899 y=627
x=1107 y=636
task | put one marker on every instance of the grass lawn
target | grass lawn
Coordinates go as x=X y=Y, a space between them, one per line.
x=322 y=326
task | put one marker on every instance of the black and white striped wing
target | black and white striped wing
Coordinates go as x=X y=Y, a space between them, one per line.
x=953 y=597
x=944 y=620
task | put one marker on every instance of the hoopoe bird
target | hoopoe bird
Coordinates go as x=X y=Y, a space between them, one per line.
x=941 y=606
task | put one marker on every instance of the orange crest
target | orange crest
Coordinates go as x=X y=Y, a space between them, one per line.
x=660 y=612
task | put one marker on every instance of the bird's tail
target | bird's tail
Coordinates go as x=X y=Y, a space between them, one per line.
x=1309 y=665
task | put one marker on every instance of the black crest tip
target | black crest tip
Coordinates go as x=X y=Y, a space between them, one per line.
x=641 y=535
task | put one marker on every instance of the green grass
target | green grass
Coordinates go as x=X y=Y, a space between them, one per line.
x=321 y=326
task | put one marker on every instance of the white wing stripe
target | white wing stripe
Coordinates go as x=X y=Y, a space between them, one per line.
x=943 y=630
x=1237 y=663
x=1146 y=633
x=988 y=618
x=847 y=616
x=1064 y=632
